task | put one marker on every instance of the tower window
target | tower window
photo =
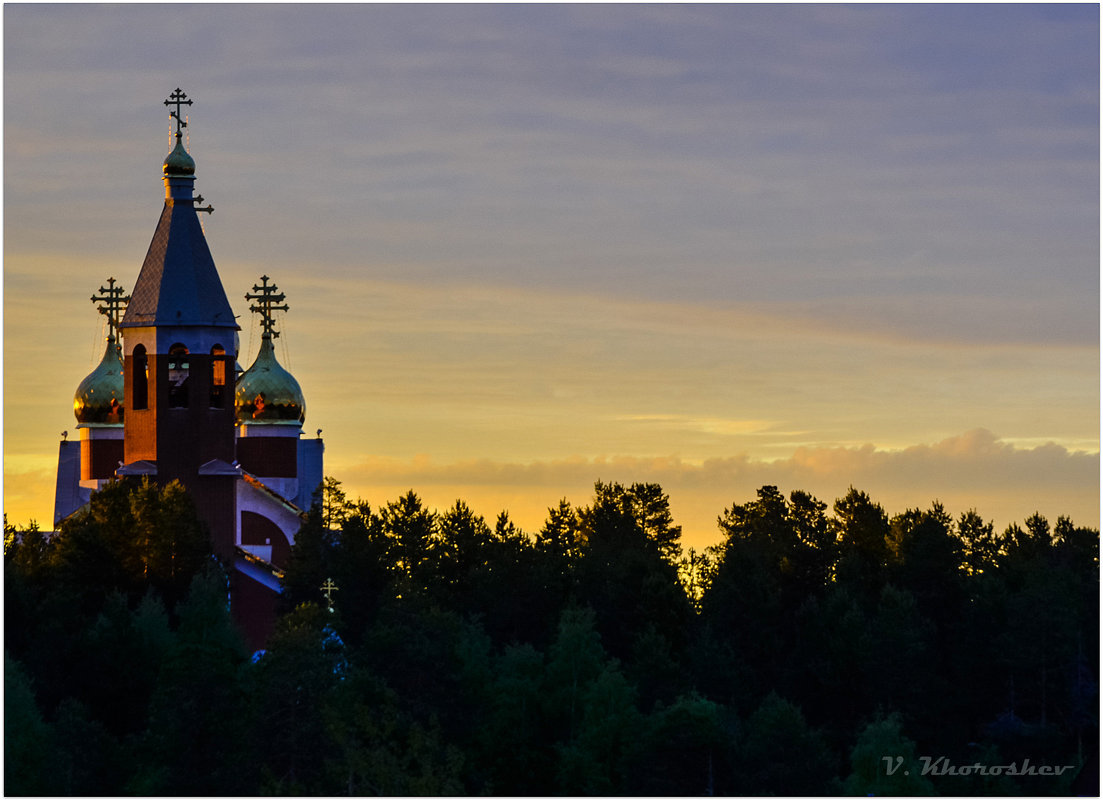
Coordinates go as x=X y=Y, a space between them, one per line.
x=140 y=378
x=178 y=377
x=218 y=377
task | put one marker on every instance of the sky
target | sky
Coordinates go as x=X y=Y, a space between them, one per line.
x=529 y=247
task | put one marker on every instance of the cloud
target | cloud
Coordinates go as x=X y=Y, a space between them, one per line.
x=976 y=459
x=973 y=470
x=708 y=425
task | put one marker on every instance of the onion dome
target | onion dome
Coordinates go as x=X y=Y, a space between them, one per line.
x=99 y=398
x=178 y=163
x=267 y=393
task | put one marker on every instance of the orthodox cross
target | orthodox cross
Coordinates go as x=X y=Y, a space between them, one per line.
x=199 y=199
x=114 y=303
x=268 y=296
x=328 y=588
x=177 y=99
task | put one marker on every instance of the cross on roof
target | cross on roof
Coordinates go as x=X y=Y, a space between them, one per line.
x=178 y=99
x=268 y=296
x=114 y=304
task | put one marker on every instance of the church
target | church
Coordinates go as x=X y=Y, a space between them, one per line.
x=169 y=401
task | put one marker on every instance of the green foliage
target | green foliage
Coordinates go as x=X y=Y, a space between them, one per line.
x=651 y=508
x=195 y=743
x=560 y=535
x=131 y=538
x=862 y=534
x=359 y=565
x=335 y=507
x=512 y=735
x=685 y=748
x=123 y=642
x=623 y=571
x=775 y=558
x=576 y=659
x=27 y=757
x=780 y=754
x=379 y=750
x=884 y=762
x=287 y=688
x=596 y=759
x=591 y=658
x=410 y=528
x=86 y=759
x=309 y=564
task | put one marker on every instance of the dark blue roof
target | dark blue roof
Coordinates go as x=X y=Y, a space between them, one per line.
x=178 y=284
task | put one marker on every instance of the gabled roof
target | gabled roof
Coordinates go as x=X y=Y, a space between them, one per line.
x=142 y=467
x=217 y=467
x=178 y=284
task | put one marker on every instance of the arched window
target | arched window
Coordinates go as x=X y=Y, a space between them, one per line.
x=178 y=377
x=140 y=382
x=218 y=377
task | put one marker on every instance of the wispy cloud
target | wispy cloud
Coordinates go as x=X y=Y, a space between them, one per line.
x=709 y=425
x=771 y=154
x=977 y=459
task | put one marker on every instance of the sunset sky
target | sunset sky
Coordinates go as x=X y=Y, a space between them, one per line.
x=530 y=247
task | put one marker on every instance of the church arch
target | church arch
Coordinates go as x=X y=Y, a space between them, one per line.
x=259 y=530
x=218 y=377
x=140 y=378
x=179 y=367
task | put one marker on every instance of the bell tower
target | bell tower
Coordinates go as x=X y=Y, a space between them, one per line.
x=178 y=357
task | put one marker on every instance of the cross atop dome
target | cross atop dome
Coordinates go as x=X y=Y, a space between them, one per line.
x=178 y=284
x=114 y=303
x=268 y=296
x=178 y=99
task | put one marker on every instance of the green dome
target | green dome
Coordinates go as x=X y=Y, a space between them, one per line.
x=99 y=398
x=266 y=393
x=178 y=162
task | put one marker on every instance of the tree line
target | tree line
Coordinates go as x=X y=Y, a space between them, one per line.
x=420 y=652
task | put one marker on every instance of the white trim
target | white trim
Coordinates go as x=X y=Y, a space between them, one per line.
x=257 y=573
x=281 y=428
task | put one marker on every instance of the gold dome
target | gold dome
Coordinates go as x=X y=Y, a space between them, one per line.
x=267 y=393
x=99 y=398
x=178 y=162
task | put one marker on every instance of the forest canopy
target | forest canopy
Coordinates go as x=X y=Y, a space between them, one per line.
x=814 y=650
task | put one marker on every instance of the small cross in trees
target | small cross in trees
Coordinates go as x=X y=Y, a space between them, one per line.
x=329 y=588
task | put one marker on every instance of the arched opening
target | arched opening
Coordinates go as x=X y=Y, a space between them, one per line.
x=218 y=377
x=179 y=368
x=139 y=371
x=258 y=530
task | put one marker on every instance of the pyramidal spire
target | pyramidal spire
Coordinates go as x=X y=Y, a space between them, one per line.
x=179 y=284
